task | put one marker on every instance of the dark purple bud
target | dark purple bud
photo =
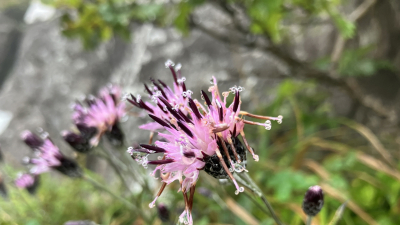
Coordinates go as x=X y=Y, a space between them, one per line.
x=236 y=102
x=31 y=139
x=163 y=212
x=162 y=161
x=185 y=129
x=69 y=168
x=76 y=141
x=206 y=98
x=313 y=200
x=115 y=135
x=153 y=148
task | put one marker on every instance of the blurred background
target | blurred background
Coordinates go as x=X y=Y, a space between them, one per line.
x=330 y=67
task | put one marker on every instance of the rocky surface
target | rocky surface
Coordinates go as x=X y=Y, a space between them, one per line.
x=48 y=72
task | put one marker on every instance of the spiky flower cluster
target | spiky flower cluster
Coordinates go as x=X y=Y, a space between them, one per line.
x=47 y=156
x=197 y=137
x=101 y=116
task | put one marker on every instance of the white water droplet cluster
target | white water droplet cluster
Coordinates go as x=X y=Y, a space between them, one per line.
x=178 y=67
x=155 y=96
x=187 y=93
x=138 y=98
x=181 y=80
x=235 y=89
x=169 y=63
x=279 y=120
x=241 y=189
x=268 y=125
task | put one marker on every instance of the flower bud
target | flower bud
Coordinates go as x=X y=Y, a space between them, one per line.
x=163 y=212
x=69 y=168
x=31 y=139
x=76 y=141
x=313 y=200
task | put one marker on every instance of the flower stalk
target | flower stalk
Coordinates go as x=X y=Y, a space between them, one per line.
x=250 y=184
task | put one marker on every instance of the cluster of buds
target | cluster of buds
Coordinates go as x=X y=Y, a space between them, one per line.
x=100 y=117
x=46 y=156
x=195 y=136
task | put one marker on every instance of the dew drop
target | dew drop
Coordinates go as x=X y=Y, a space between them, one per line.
x=236 y=192
x=151 y=205
x=241 y=189
x=256 y=158
x=178 y=66
x=169 y=63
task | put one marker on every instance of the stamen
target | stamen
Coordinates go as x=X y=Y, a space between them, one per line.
x=220 y=110
x=227 y=170
x=206 y=99
x=185 y=129
x=151 y=205
x=144 y=106
x=159 y=121
x=233 y=150
x=148 y=89
x=169 y=64
x=278 y=119
x=255 y=157
x=162 y=83
x=153 y=148
x=225 y=149
x=236 y=102
x=194 y=108
x=267 y=124
x=189 y=154
x=160 y=162
x=160 y=89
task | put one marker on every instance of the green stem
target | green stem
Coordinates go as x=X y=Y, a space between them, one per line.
x=256 y=190
x=103 y=188
x=309 y=219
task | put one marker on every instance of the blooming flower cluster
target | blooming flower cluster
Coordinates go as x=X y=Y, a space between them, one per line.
x=47 y=156
x=196 y=137
x=101 y=116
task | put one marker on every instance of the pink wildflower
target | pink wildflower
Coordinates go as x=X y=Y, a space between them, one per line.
x=198 y=138
x=103 y=113
x=47 y=156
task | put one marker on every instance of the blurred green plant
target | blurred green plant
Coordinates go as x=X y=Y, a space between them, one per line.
x=97 y=21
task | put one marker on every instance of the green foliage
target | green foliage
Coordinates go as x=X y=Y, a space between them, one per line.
x=58 y=201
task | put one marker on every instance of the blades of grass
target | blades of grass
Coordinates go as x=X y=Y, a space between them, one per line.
x=338 y=214
x=353 y=206
x=240 y=212
x=371 y=137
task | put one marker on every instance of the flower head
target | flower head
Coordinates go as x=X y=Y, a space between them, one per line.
x=28 y=181
x=47 y=156
x=164 y=100
x=101 y=116
x=198 y=137
x=313 y=200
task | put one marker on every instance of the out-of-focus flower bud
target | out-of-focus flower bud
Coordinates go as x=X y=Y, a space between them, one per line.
x=76 y=141
x=31 y=139
x=163 y=212
x=313 y=200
